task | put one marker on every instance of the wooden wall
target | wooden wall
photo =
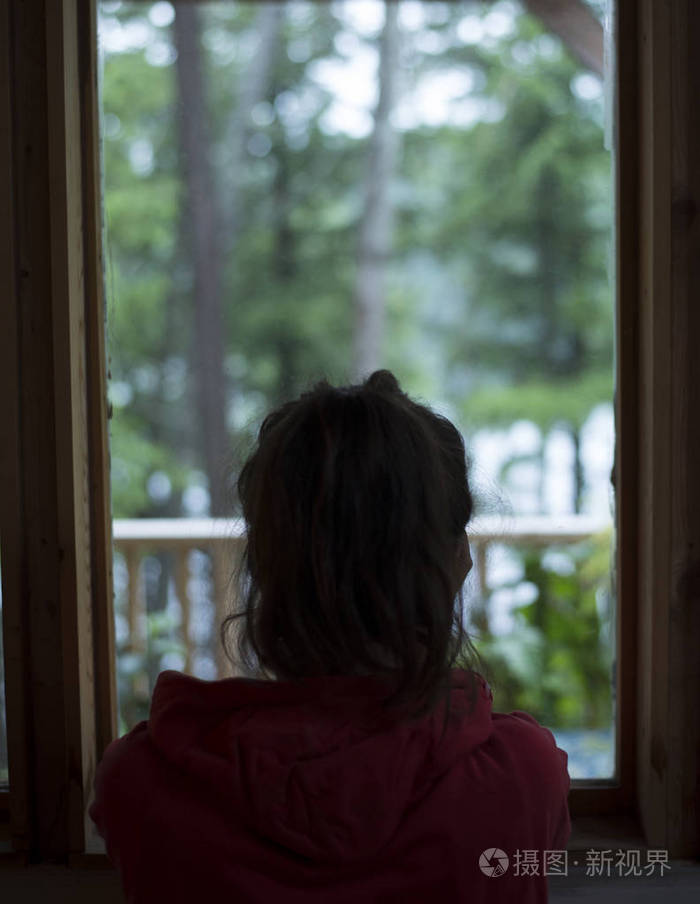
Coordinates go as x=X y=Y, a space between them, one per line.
x=669 y=428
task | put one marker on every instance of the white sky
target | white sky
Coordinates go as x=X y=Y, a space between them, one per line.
x=436 y=99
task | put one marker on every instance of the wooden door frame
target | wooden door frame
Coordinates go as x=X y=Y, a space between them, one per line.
x=55 y=518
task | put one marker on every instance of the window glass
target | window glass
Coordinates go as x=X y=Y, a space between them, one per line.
x=301 y=190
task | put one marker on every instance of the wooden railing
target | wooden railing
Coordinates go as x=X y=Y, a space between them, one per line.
x=223 y=540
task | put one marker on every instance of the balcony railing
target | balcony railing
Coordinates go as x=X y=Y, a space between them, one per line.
x=222 y=539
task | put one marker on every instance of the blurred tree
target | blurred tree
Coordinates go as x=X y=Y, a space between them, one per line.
x=375 y=227
x=201 y=222
x=525 y=229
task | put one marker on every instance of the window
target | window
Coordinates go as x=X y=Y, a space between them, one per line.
x=309 y=190
x=56 y=530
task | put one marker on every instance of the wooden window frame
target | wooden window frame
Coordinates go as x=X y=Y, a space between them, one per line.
x=60 y=666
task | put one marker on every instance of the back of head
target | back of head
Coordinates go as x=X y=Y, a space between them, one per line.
x=355 y=501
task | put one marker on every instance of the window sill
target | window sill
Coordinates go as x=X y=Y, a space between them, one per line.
x=586 y=832
x=680 y=884
x=601 y=833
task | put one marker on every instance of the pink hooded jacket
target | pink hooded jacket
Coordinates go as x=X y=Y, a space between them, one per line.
x=284 y=792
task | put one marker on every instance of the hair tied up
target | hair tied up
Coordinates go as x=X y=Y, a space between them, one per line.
x=383 y=381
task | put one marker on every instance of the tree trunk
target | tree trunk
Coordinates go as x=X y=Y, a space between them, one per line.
x=541 y=472
x=546 y=236
x=253 y=89
x=376 y=224
x=578 y=469
x=284 y=268
x=576 y=25
x=200 y=209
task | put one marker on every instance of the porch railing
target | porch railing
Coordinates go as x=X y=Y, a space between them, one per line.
x=222 y=539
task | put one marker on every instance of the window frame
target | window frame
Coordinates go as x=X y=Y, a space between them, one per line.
x=55 y=507
x=54 y=494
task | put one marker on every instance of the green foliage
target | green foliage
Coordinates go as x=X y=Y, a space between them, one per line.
x=137 y=672
x=556 y=662
x=547 y=403
x=520 y=211
x=134 y=459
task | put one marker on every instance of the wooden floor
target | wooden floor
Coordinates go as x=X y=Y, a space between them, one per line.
x=59 y=885
x=680 y=884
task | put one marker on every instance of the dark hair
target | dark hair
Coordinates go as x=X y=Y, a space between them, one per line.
x=355 y=500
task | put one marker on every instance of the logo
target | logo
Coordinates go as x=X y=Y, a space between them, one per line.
x=493 y=862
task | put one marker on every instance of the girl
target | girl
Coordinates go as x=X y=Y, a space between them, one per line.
x=362 y=762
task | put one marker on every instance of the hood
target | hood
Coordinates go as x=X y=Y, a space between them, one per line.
x=313 y=764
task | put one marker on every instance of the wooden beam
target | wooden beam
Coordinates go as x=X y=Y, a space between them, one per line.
x=669 y=435
x=11 y=502
x=105 y=661
x=626 y=474
x=576 y=25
